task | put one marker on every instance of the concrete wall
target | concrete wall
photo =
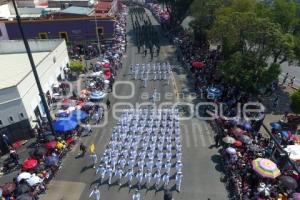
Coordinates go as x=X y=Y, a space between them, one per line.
x=12 y=109
x=48 y=71
x=17 y=46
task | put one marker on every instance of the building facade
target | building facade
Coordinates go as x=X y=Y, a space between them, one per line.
x=20 y=104
x=74 y=30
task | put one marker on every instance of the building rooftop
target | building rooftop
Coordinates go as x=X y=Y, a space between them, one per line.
x=14 y=67
x=14 y=62
x=78 y=10
x=103 y=6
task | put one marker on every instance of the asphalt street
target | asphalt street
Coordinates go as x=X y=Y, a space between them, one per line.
x=201 y=176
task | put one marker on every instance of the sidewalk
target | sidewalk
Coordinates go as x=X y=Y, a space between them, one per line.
x=23 y=153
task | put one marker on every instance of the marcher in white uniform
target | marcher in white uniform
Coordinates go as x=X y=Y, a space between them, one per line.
x=179 y=177
x=129 y=175
x=166 y=179
x=96 y=193
x=136 y=195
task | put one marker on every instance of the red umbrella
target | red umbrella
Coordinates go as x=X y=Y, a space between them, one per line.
x=108 y=74
x=70 y=141
x=51 y=144
x=238 y=143
x=8 y=188
x=29 y=164
x=198 y=65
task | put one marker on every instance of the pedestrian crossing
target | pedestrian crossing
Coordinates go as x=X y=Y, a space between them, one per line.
x=197 y=134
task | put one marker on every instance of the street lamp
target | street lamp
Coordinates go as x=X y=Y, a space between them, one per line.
x=36 y=76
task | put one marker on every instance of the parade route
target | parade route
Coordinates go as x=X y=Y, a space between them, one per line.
x=201 y=176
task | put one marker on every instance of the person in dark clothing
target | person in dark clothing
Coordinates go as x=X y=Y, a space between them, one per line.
x=108 y=103
x=82 y=148
x=217 y=140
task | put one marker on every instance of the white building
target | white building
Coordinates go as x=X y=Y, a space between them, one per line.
x=20 y=103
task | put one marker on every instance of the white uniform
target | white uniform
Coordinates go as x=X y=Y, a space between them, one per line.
x=166 y=179
x=157 y=178
x=178 y=181
x=129 y=175
x=136 y=196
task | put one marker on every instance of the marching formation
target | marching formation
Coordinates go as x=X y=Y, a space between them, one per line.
x=146 y=35
x=151 y=71
x=145 y=150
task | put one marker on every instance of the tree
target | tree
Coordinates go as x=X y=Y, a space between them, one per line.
x=296 y=102
x=203 y=12
x=76 y=65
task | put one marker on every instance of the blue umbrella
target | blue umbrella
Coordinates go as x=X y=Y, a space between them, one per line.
x=78 y=115
x=285 y=134
x=97 y=95
x=51 y=160
x=64 y=125
x=63 y=114
x=276 y=125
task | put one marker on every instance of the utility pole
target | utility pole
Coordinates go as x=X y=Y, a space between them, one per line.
x=36 y=76
x=98 y=40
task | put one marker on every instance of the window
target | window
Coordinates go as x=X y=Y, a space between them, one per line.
x=21 y=115
x=43 y=35
x=100 y=31
x=1 y=33
x=1 y=123
x=63 y=35
x=10 y=119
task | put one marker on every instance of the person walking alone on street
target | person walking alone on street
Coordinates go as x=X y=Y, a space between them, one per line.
x=96 y=193
x=179 y=177
x=82 y=148
x=136 y=195
x=108 y=104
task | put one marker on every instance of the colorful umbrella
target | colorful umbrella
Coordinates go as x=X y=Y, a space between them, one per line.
x=265 y=168
x=51 y=145
x=29 y=164
x=198 y=65
x=64 y=125
x=231 y=150
x=8 y=188
x=228 y=140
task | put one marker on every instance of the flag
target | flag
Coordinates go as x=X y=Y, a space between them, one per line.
x=92 y=148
